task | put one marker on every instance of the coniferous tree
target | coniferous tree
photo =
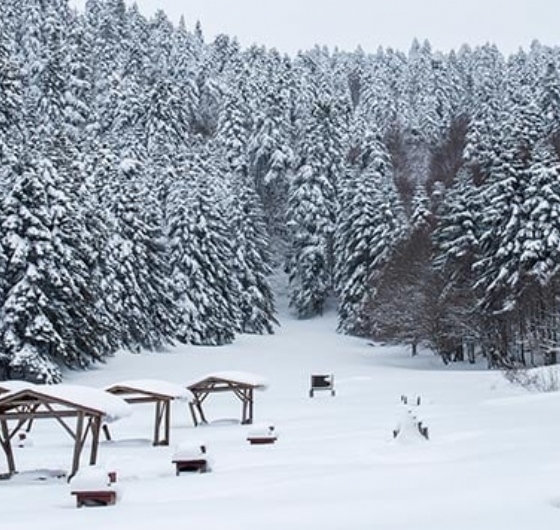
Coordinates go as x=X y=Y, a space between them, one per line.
x=201 y=258
x=367 y=230
x=138 y=259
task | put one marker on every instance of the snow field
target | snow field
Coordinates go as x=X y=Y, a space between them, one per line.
x=492 y=461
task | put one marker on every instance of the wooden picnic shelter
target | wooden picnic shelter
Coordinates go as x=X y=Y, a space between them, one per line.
x=241 y=384
x=161 y=393
x=79 y=410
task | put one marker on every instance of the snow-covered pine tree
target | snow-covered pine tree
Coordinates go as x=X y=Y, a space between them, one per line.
x=48 y=318
x=201 y=258
x=10 y=100
x=138 y=261
x=251 y=257
x=271 y=157
x=312 y=205
x=368 y=228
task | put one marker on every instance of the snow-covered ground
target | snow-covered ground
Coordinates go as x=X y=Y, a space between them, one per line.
x=492 y=461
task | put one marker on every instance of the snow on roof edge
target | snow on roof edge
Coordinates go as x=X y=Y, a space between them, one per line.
x=235 y=376
x=112 y=407
x=155 y=386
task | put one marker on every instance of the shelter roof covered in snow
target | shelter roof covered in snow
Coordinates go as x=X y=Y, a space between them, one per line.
x=86 y=398
x=247 y=379
x=154 y=387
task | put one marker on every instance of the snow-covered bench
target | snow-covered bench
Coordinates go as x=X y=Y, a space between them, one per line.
x=94 y=487
x=191 y=458
x=262 y=436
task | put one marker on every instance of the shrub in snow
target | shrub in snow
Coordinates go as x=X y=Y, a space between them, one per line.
x=535 y=380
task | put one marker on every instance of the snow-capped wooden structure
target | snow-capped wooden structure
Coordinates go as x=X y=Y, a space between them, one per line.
x=88 y=407
x=263 y=436
x=241 y=384
x=191 y=458
x=94 y=486
x=161 y=393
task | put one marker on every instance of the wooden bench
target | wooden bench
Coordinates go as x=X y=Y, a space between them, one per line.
x=95 y=498
x=198 y=465
x=261 y=440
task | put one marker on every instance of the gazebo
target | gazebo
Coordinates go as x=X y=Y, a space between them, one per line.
x=161 y=393
x=89 y=407
x=241 y=384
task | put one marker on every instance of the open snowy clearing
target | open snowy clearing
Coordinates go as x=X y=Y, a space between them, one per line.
x=492 y=461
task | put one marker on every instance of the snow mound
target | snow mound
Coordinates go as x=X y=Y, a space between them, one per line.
x=408 y=430
x=190 y=451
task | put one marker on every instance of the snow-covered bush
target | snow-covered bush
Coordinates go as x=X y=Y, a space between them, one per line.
x=543 y=379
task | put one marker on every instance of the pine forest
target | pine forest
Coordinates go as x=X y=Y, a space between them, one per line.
x=153 y=183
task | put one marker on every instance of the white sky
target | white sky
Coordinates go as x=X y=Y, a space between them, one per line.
x=291 y=25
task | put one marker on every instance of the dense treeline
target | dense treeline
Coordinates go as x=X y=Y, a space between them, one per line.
x=151 y=181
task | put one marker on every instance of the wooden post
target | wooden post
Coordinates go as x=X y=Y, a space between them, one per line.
x=7 y=446
x=157 y=422
x=106 y=432
x=198 y=404
x=193 y=413
x=96 y=428
x=250 y=392
x=167 y=421
x=78 y=442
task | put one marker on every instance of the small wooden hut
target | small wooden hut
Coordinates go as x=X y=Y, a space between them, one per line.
x=161 y=393
x=241 y=384
x=88 y=407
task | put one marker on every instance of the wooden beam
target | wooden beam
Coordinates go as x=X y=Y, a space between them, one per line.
x=15 y=415
x=135 y=400
x=193 y=413
x=201 y=412
x=59 y=420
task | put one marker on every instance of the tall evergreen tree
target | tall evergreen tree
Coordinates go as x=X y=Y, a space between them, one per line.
x=201 y=258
